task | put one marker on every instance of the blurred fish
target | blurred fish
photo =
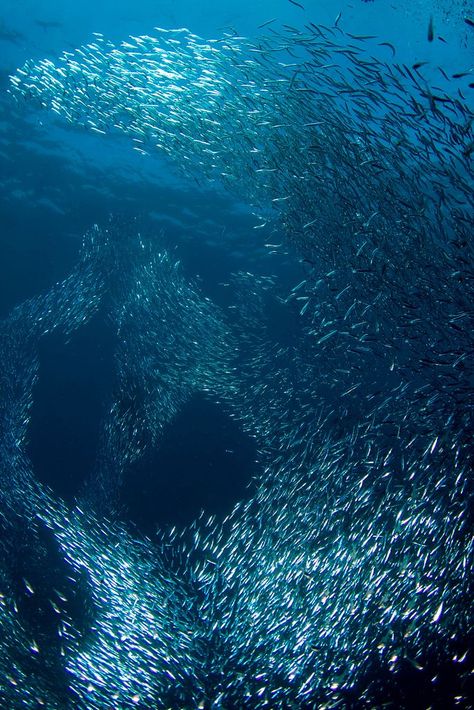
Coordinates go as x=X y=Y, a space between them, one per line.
x=430 y=34
x=49 y=24
x=9 y=35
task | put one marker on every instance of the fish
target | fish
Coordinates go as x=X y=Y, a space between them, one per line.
x=49 y=24
x=265 y=24
x=10 y=35
x=430 y=34
x=294 y=2
x=389 y=45
x=362 y=420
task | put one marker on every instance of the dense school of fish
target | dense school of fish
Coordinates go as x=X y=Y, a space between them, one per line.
x=345 y=580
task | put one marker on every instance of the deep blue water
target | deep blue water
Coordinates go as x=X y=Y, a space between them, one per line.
x=221 y=448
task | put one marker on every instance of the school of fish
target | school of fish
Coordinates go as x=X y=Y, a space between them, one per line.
x=345 y=579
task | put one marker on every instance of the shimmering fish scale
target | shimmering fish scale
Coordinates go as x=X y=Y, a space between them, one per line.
x=355 y=546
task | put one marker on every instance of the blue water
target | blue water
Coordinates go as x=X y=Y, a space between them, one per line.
x=56 y=182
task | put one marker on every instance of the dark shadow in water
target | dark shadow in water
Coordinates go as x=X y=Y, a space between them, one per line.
x=204 y=462
x=69 y=403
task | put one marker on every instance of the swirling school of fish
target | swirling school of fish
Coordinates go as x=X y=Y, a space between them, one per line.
x=346 y=579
